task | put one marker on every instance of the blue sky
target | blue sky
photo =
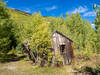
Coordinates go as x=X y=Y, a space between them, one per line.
x=56 y=7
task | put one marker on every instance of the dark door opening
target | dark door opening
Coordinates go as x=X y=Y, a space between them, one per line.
x=62 y=49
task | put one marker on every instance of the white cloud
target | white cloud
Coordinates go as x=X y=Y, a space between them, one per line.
x=93 y=26
x=11 y=8
x=35 y=12
x=84 y=10
x=27 y=10
x=80 y=9
x=51 y=8
x=91 y=13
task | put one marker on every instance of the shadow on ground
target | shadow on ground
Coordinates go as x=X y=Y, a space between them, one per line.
x=11 y=58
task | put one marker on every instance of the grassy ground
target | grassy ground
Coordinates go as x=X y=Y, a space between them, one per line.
x=15 y=68
x=23 y=67
x=26 y=68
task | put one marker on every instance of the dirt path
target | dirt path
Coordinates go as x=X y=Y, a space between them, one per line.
x=23 y=67
x=15 y=68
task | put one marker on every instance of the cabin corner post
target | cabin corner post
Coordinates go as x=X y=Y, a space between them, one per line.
x=72 y=50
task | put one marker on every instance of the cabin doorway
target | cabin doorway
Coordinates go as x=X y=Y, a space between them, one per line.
x=62 y=49
x=63 y=53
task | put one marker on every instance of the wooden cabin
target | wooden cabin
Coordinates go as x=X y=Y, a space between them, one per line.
x=64 y=45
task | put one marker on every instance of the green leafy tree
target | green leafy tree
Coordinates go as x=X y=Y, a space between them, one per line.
x=6 y=35
x=97 y=25
x=80 y=31
x=41 y=39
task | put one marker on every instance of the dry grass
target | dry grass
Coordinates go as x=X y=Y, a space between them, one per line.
x=22 y=67
x=15 y=68
x=25 y=68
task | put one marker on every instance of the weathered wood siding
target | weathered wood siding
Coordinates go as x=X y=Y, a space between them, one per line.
x=59 y=40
